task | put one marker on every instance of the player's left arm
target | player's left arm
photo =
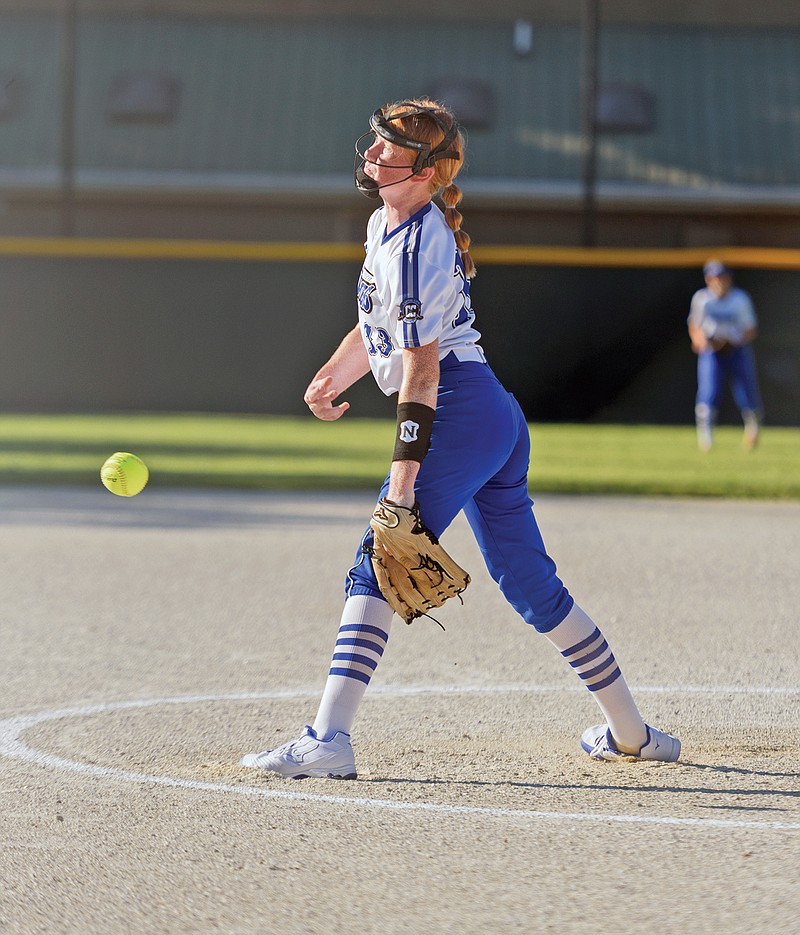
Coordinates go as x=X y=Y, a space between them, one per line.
x=745 y=330
x=749 y=335
x=420 y=385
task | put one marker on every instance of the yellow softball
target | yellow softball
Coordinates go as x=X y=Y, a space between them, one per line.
x=124 y=474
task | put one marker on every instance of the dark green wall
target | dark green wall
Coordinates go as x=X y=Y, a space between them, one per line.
x=174 y=335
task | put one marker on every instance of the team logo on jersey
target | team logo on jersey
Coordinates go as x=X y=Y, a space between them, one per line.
x=366 y=289
x=408 y=431
x=411 y=310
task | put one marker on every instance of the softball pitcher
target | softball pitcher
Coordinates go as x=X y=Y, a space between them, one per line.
x=469 y=449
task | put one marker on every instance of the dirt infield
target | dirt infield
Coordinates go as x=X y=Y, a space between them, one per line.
x=147 y=644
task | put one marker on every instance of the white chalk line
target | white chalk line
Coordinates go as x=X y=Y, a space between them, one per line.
x=13 y=748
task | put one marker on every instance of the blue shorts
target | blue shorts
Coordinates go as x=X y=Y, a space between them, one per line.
x=478 y=462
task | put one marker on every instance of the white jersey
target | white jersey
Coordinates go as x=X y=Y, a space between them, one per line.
x=727 y=317
x=412 y=290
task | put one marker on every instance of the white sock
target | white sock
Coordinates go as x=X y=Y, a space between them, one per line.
x=363 y=634
x=586 y=650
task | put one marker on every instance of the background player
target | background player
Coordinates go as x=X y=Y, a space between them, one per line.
x=722 y=326
x=470 y=449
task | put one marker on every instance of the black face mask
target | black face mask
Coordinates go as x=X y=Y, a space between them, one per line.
x=425 y=155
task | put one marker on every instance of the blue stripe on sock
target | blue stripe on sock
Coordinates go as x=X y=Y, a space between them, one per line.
x=354 y=657
x=597 y=669
x=583 y=643
x=604 y=683
x=365 y=644
x=589 y=656
x=365 y=628
x=350 y=674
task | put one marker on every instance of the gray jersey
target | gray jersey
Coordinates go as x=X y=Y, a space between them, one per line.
x=725 y=318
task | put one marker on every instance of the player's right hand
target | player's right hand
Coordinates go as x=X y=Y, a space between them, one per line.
x=319 y=398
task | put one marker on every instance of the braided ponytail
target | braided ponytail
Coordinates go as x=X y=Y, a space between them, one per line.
x=451 y=196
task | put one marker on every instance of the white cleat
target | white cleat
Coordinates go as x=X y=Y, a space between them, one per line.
x=751 y=429
x=705 y=439
x=308 y=757
x=599 y=744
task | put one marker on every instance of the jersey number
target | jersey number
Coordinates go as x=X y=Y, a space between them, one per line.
x=466 y=314
x=378 y=341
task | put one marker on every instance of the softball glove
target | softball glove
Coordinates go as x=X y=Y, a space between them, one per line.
x=415 y=574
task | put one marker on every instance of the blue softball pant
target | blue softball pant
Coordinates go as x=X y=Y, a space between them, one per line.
x=715 y=369
x=478 y=462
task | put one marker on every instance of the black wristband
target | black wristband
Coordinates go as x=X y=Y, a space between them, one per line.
x=414 y=427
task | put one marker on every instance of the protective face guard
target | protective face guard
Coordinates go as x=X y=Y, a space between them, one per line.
x=426 y=156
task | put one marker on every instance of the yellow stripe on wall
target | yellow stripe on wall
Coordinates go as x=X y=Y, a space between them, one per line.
x=495 y=255
x=179 y=249
x=756 y=257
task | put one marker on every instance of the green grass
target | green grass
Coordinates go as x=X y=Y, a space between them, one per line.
x=279 y=453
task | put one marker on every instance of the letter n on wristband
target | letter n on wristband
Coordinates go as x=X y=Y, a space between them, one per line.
x=414 y=427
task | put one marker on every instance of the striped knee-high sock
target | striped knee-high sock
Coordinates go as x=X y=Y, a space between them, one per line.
x=585 y=648
x=363 y=634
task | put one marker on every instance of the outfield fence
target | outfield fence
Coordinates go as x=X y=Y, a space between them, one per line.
x=194 y=325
